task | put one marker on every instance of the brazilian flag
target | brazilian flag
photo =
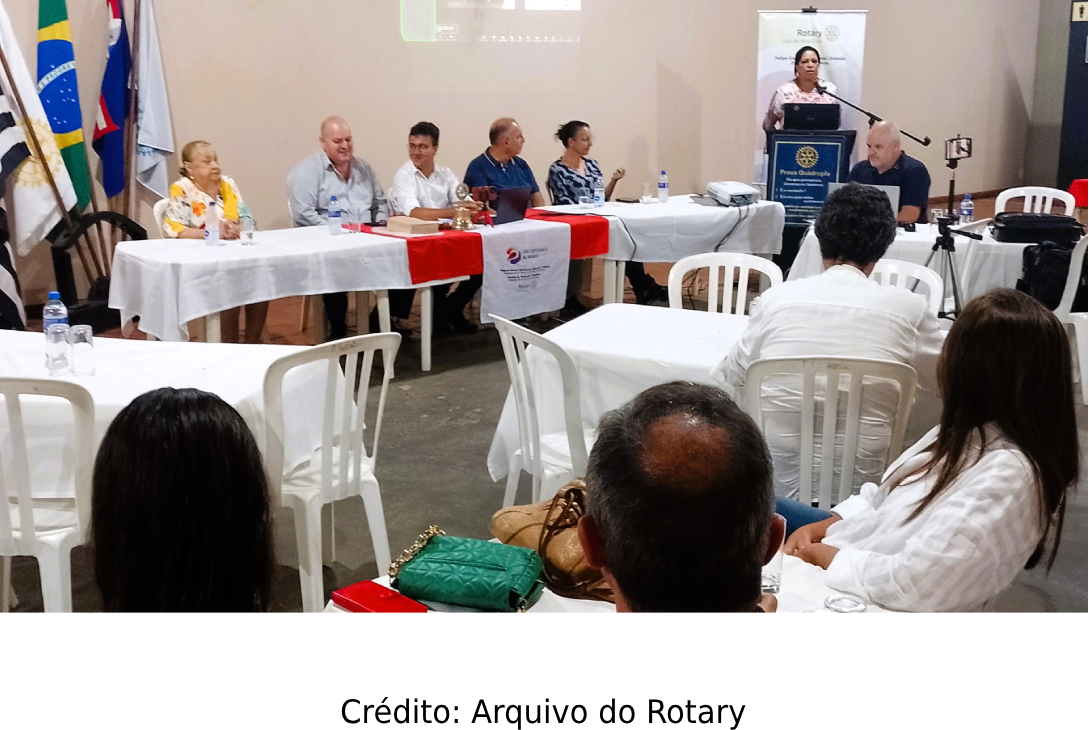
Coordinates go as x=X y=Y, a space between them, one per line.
x=59 y=93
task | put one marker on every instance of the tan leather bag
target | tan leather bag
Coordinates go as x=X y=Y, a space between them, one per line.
x=551 y=528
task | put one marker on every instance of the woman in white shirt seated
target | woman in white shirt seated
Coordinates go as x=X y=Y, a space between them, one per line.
x=963 y=510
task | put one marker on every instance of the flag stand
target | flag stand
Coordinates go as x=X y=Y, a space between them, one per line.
x=32 y=135
x=131 y=143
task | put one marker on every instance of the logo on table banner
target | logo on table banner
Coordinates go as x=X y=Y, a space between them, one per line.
x=831 y=33
x=806 y=157
x=514 y=256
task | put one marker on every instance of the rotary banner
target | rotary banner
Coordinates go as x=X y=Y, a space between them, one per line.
x=839 y=37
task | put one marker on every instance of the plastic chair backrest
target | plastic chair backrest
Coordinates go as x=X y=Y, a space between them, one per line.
x=15 y=475
x=856 y=370
x=515 y=338
x=1073 y=277
x=158 y=211
x=728 y=264
x=341 y=401
x=890 y=272
x=1037 y=199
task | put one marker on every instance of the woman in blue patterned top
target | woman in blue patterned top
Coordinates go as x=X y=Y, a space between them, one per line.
x=573 y=176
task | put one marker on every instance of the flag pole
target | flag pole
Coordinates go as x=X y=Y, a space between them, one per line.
x=131 y=143
x=32 y=135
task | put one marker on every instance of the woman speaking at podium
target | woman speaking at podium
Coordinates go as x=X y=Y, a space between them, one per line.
x=801 y=90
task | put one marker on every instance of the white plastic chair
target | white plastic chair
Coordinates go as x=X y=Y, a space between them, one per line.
x=47 y=529
x=890 y=272
x=730 y=265
x=1076 y=320
x=342 y=467
x=856 y=370
x=552 y=459
x=158 y=212
x=1037 y=199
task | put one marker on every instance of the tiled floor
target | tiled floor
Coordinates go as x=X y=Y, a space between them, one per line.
x=432 y=469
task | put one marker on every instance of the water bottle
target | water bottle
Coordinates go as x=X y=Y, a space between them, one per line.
x=967 y=209
x=335 y=228
x=54 y=312
x=599 y=192
x=211 y=225
x=663 y=188
x=56 y=352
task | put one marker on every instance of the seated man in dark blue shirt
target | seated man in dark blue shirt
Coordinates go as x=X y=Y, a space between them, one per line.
x=500 y=166
x=886 y=164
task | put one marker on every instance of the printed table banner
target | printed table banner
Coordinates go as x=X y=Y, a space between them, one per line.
x=525 y=269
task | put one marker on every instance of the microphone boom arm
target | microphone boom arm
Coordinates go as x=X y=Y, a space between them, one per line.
x=925 y=141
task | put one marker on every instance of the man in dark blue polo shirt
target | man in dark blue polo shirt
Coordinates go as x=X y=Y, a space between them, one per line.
x=886 y=164
x=500 y=166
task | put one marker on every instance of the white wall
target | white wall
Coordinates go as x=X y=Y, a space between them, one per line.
x=664 y=84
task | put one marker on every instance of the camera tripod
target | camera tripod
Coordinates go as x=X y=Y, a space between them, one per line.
x=944 y=248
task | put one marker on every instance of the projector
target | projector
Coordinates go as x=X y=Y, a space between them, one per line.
x=732 y=193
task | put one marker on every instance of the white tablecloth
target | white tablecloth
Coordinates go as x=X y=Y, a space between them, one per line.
x=169 y=282
x=683 y=227
x=981 y=265
x=126 y=369
x=621 y=350
x=802 y=589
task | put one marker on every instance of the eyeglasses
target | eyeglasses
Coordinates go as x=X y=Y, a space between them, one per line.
x=419 y=147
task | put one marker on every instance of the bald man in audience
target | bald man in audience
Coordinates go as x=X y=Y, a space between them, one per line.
x=887 y=164
x=335 y=170
x=680 y=503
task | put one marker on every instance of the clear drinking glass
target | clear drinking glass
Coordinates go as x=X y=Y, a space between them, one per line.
x=83 y=349
x=771 y=575
x=248 y=228
x=645 y=197
x=58 y=350
x=586 y=201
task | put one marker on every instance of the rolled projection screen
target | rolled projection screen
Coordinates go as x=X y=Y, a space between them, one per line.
x=491 y=21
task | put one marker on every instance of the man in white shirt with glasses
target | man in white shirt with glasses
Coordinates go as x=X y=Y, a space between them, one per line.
x=424 y=190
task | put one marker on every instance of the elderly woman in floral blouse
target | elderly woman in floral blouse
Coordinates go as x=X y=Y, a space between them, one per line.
x=201 y=184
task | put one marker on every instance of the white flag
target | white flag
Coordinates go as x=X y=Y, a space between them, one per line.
x=155 y=135
x=34 y=209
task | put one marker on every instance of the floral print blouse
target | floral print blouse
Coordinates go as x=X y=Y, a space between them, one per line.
x=188 y=205
x=789 y=93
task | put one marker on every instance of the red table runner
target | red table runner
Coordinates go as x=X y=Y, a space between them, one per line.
x=450 y=254
x=1081 y=194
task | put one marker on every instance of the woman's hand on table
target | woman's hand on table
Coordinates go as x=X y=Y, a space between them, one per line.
x=817 y=553
x=230 y=230
x=805 y=536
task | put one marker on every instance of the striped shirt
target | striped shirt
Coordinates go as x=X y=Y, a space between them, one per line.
x=566 y=185
x=964 y=549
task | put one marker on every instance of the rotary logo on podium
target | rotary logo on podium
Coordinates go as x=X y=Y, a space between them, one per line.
x=806 y=157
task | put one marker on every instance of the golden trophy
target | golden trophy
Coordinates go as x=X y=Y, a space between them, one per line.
x=463 y=212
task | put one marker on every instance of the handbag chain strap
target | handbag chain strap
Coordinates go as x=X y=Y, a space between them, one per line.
x=412 y=550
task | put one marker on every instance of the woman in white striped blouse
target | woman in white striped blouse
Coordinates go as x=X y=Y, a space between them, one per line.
x=961 y=512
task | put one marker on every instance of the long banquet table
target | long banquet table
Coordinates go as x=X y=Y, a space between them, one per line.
x=681 y=227
x=169 y=282
x=981 y=265
x=621 y=350
x=125 y=369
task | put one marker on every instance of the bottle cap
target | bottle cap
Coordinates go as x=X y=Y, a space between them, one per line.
x=332 y=198
x=967 y=196
x=54 y=295
x=663 y=172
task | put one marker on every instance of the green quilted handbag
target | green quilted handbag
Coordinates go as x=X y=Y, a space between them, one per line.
x=467 y=572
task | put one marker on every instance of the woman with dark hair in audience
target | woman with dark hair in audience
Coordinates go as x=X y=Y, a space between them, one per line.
x=802 y=89
x=961 y=512
x=574 y=176
x=180 y=516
